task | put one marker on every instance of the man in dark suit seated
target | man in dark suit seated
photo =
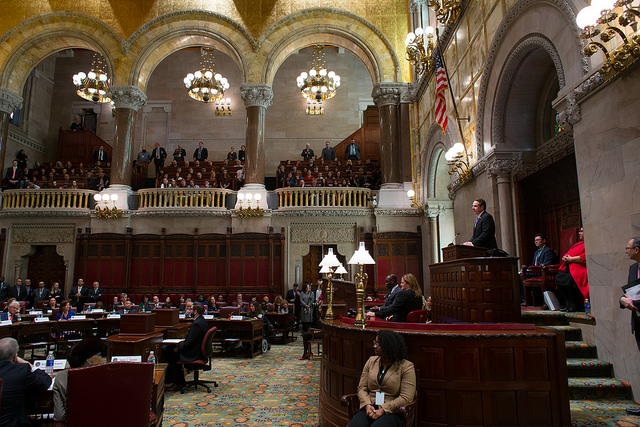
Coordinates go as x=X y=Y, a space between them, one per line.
x=544 y=255
x=484 y=231
x=391 y=281
x=19 y=384
x=188 y=351
x=127 y=308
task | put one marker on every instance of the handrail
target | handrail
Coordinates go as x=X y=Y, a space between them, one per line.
x=353 y=197
x=167 y=198
x=52 y=198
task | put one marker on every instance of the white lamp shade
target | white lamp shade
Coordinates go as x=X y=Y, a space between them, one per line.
x=361 y=256
x=329 y=260
x=587 y=17
x=341 y=269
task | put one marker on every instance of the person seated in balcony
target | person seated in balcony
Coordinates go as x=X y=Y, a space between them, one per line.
x=300 y=183
x=165 y=183
x=239 y=179
x=225 y=179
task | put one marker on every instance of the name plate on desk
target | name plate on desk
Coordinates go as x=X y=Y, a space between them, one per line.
x=58 y=364
x=36 y=313
x=41 y=319
x=5 y=322
x=235 y=317
x=126 y=359
x=98 y=310
x=79 y=317
x=113 y=316
x=181 y=316
x=210 y=316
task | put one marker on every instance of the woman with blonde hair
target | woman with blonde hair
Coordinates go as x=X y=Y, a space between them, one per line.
x=409 y=298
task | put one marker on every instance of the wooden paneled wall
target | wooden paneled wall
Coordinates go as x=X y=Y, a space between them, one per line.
x=396 y=253
x=209 y=263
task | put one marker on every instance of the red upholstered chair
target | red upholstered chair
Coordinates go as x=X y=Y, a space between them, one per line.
x=538 y=277
x=417 y=316
x=107 y=395
x=202 y=364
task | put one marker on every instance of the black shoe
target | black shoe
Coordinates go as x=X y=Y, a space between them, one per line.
x=633 y=411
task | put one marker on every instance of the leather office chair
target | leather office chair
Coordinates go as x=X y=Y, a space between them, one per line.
x=417 y=316
x=202 y=364
x=106 y=395
x=408 y=412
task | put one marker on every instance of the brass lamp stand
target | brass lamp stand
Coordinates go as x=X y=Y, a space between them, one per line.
x=328 y=263
x=362 y=257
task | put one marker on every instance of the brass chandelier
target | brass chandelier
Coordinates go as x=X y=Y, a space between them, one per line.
x=446 y=10
x=94 y=85
x=419 y=51
x=318 y=84
x=205 y=85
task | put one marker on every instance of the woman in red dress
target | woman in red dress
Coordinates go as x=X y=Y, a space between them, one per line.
x=575 y=285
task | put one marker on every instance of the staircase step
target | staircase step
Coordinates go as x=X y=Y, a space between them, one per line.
x=544 y=317
x=571 y=333
x=580 y=350
x=599 y=389
x=592 y=368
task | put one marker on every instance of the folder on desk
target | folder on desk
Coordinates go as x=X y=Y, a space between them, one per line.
x=172 y=341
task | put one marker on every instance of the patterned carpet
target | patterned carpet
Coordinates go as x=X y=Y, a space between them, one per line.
x=272 y=389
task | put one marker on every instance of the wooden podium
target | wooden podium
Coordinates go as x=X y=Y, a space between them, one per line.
x=453 y=252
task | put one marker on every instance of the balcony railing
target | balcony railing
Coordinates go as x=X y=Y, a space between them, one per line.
x=164 y=198
x=344 y=197
x=46 y=199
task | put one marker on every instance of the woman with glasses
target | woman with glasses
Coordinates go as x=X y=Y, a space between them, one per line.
x=408 y=299
x=388 y=381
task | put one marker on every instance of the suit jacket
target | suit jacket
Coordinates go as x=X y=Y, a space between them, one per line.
x=10 y=177
x=404 y=303
x=20 y=295
x=398 y=384
x=79 y=302
x=391 y=296
x=192 y=345
x=204 y=155
x=293 y=295
x=37 y=296
x=179 y=154
x=163 y=155
x=328 y=153
x=635 y=318
x=484 y=232
x=5 y=288
x=19 y=385
x=5 y=316
x=307 y=154
x=121 y=311
x=349 y=156
x=95 y=295
x=100 y=158
x=544 y=256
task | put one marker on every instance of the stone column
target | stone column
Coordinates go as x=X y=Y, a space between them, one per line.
x=433 y=213
x=9 y=102
x=128 y=100
x=256 y=97
x=502 y=166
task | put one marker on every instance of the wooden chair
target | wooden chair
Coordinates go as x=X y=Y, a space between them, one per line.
x=34 y=336
x=417 y=316
x=67 y=332
x=316 y=338
x=109 y=394
x=202 y=364
x=408 y=412
x=538 y=277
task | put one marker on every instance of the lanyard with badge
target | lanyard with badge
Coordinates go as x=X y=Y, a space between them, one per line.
x=380 y=394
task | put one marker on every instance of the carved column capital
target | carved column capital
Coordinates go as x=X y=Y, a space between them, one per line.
x=256 y=95
x=433 y=211
x=130 y=97
x=504 y=164
x=415 y=5
x=9 y=101
x=388 y=93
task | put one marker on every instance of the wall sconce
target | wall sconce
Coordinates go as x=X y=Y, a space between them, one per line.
x=361 y=257
x=105 y=212
x=328 y=264
x=220 y=107
x=458 y=162
x=419 y=54
x=600 y=19
x=250 y=212
x=445 y=10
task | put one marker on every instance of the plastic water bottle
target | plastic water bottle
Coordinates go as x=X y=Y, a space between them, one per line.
x=152 y=357
x=587 y=306
x=49 y=366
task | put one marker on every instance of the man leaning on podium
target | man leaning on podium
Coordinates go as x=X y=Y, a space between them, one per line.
x=484 y=230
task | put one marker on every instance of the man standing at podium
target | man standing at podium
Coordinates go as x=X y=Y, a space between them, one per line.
x=484 y=230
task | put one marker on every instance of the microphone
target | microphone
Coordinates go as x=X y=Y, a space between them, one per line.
x=453 y=242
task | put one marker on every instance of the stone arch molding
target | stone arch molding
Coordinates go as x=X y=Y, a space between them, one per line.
x=437 y=142
x=301 y=235
x=508 y=74
x=35 y=38
x=517 y=11
x=330 y=26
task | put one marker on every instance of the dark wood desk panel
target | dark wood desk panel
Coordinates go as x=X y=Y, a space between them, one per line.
x=136 y=345
x=178 y=331
x=466 y=377
x=247 y=331
x=475 y=290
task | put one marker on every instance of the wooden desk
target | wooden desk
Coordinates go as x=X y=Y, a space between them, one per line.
x=475 y=290
x=472 y=375
x=136 y=345
x=247 y=331
x=178 y=331
x=157 y=393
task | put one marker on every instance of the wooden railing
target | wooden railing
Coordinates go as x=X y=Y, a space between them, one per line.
x=47 y=199
x=183 y=198
x=324 y=197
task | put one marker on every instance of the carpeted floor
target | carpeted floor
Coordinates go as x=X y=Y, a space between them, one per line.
x=277 y=389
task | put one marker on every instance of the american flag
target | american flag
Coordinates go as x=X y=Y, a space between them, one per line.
x=441 y=86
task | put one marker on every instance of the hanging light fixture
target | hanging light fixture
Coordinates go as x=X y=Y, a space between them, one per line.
x=223 y=107
x=205 y=85
x=318 y=84
x=94 y=85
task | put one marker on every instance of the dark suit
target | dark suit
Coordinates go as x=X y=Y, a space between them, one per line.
x=179 y=154
x=200 y=155
x=100 y=156
x=484 y=232
x=293 y=298
x=355 y=155
x=18 y=387
x=307 y=154
x=13 y=178
x=95 y=295
x=18 y=293
x=78 y=302
x=543 y=256
x=405 y=302
x=635 y=318
x=328 y=153
x=5 y=316
x=190 y=351
x=122 y=311
x=158 y=159
x=391 y=296
x=4 y=291
x=39 y=295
